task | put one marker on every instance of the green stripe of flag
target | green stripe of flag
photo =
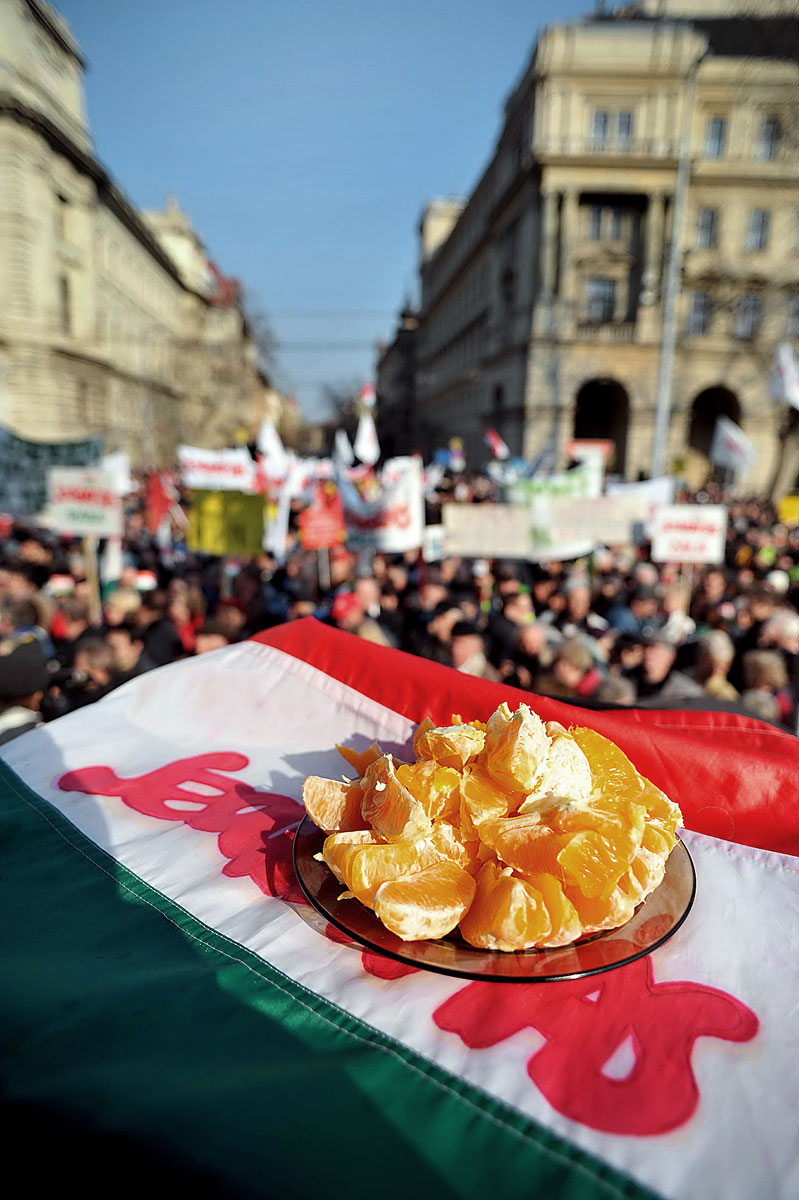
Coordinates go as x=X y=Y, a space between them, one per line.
x=124 y=1012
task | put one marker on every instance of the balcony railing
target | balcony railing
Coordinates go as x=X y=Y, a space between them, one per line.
x=612 y=332
x=634 y=147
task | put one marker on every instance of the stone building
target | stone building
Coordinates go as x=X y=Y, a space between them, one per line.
x=542 y=295
x=112 y=321
x=396 y=388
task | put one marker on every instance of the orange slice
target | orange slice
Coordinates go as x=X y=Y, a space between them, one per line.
x=339 y=848
x=332 y=805
x=434 y=786
x=525 y=844
x=389 y=807
x=367 y=867
x=449 y=844
x=507 y=912
x=516 y=748
x=451 y=746
x=360 y=761
x=428 y=904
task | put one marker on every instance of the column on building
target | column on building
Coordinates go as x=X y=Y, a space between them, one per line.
x=567 y=275
x=650 y=311
x=548 y=262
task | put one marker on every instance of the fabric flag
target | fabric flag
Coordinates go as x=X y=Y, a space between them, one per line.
x=169 y=989
x=158 y=502
x=366 y=445
x=784 y=377
x=498 y=448
x=342 y=451
x=731 y=448
x=368 y=396
x=392 y=520
x=271 y=449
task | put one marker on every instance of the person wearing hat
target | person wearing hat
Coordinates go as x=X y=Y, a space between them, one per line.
x=657 y=679
x=573 y=674
x=23 y=681
x=467 y=652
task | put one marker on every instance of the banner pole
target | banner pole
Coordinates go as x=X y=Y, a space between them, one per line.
x=323 y=568
x=92 y=579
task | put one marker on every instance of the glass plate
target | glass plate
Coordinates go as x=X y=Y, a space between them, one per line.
x=652 y=923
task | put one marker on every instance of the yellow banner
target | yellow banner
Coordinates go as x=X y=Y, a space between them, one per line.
x=225 y=523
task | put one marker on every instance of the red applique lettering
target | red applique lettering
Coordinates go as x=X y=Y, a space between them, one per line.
x=255 y=829
x=589 y=1022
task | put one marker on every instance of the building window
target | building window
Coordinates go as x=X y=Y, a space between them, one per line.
x=600 y=127
x=715 y=137
x=747 y=319
x=64 y=304
x=768 y=138
x=757 y=229
x=792 y=324
x=699 y=313
x=600 y=300
x=625 y=130
x=595 y=222
x=707 y=228
x=617 y=224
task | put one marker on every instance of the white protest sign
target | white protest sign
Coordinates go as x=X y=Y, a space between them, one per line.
x=602 y=520
x=83 y=502
x=118 y=465
x=217 y=470
x=434 y=548
x=689 y=533
x=487 y=530
x=731 y=447
x=585 y=480
x=393 y=522
x=784 y=376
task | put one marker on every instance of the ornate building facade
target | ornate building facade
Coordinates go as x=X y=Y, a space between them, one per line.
x=112 y=321
x=542 y=295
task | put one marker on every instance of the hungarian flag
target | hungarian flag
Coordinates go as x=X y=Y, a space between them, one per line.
x=174 y=1015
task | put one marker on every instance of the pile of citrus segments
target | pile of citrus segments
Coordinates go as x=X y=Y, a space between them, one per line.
x=521 y=833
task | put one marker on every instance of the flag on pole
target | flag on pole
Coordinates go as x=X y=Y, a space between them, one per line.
x=784 y=377
x=342 y=450
x=368 y=396
x=498 y=447
x=271 y=449
x=731 y=448
x=171 y=985
x=366 y=445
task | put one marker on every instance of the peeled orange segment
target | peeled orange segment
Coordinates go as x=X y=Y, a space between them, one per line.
x=610 y=766
x=359 y=761
x=592 y=863
x=448 y=842
x=516 y=748
x=370 y=866
x=566 y=925
x=457 y=719
x=428 y=904
x=424 y=726
x=659 y=808
x=434 y=786
x=451 y=746
x=389 y=807
x=566 y=773
x=507 y=913
x=333 y=805
x=338 y=848
x=481 y=799
x=525 y=844
x=601 y=913
x=657 y=840
x=644 y=874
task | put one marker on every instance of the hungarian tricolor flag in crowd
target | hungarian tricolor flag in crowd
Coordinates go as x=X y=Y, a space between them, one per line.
x=166 y=986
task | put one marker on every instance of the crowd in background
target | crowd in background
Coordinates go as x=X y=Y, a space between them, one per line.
x=615 y=629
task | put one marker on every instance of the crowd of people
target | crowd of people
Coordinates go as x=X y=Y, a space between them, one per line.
x=614 y=629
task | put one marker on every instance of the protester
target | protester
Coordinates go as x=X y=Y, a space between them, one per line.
x=716 y=656
x=24 y=679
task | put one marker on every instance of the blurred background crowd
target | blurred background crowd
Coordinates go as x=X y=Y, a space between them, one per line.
x=613 y=629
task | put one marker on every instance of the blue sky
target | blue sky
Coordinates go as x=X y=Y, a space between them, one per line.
x=304 y=139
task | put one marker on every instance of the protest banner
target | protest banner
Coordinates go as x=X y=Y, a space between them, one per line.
x=393 y=521
x=217 y=470
x=585 y=480
x=487 y=530
x=24 y=466
x=322 y=525
x=225 y=523
x=689 y=533
x=731 y=448
x=83 y=503
x=788 y=511
x=652 y=492
x=434 y=548
x=118 y=465
x=784 y=376
x=601 y=520
x=580 y=449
